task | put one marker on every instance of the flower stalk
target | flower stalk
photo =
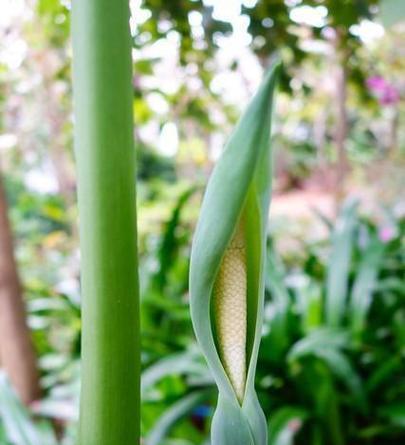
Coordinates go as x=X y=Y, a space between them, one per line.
x=104 y=148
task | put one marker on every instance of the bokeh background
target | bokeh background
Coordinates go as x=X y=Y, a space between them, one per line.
x=337 y=224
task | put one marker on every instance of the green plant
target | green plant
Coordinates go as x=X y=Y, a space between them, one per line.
x=105 y=155
x=16 y=425
x=226 y=271
x=357 y=367
x=356 y=361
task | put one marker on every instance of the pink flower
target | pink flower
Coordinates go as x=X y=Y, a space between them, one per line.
x=376 y=83
x=386 y=233
x=386 y=93
x=389 y=96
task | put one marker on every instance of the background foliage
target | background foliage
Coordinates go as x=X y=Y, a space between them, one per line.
x=331 y=362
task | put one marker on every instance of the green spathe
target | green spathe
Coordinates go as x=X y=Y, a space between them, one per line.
x=239 y=187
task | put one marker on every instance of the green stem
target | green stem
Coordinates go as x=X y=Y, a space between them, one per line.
x=109 y=412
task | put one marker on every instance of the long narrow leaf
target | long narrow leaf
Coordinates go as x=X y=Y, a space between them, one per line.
x=284 y=424
x=339 y=264
x=169 y=244
x=18 y=425
x=277 y=339
x=175 y=364
x=320 y=339
x=364 y=285
x=174 y=414
x=326 y=345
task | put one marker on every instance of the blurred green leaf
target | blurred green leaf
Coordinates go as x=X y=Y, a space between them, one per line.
x=339 y=264
x=172 y=415
x=394 y=413
x=183 y=363
x=285 y=423
x=364 y=285
x=17 y=423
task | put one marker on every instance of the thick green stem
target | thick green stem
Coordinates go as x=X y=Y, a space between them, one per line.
x=109 y=412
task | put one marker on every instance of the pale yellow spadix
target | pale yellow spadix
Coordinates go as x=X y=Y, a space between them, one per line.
x=230 y=311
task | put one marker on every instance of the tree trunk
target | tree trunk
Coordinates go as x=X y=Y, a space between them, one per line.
x=393 y=131
x=342 y=165
x=17 y=355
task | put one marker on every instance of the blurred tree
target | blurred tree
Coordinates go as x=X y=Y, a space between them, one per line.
x=273 y=26
x=17 y=354
x=322 y=34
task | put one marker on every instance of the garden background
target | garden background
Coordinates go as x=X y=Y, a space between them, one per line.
x=331 y=365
